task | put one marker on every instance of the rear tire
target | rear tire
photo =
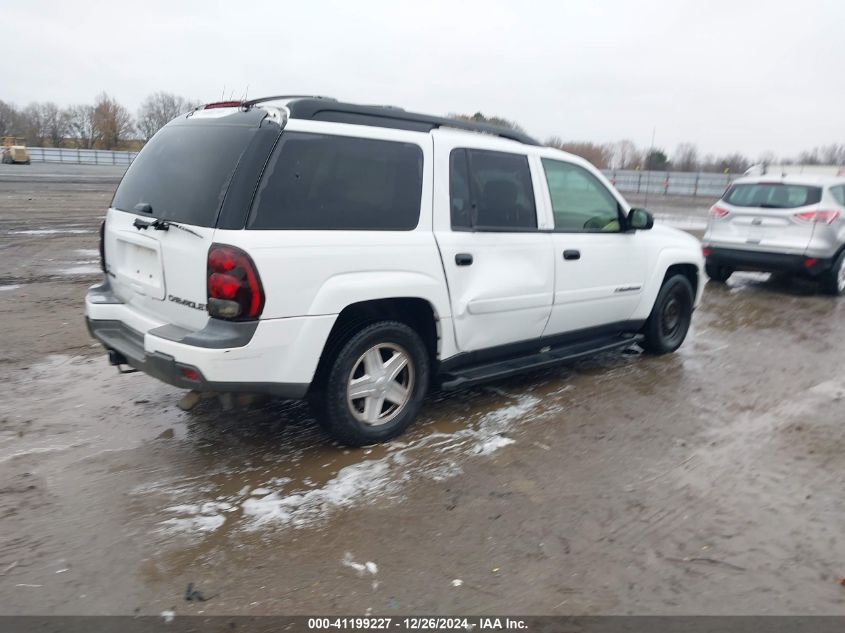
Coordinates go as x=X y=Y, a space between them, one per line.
x=719 y=274
x=670 y=318
x=386 y=366
x=833 y=280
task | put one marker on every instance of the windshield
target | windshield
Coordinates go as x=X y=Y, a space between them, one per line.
x=182 y=174
x=772 y=195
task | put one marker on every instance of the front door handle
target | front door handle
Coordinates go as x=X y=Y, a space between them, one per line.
x=463 y=259
x=571 y=253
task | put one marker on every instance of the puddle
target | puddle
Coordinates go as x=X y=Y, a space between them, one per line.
x=311 y=494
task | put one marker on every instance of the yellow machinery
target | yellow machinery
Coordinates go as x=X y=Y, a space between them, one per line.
x=14 y=150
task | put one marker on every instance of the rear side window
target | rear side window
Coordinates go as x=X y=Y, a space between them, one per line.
x=325 y=182
x=491 y=191
x=772 y=195
x=839 y=194
x=184 y=171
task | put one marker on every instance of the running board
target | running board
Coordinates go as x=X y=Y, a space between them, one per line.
x=467 y=376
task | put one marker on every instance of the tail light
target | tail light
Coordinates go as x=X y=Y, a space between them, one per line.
x=103 y=246
x=234 y=287
x=817 y=217
x=222 y=104
x=718 y=212
x=705 y=252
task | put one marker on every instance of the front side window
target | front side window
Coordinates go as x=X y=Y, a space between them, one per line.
x=580 y=202
x=323 y=182
x=491 y=191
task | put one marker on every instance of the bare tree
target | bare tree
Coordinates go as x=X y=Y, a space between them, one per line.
x=9 y=119
x=810 y=157
x=685 y=157
x=478 y=117
x=734 y=163
x=32 y=124
x=767 y=158
x=598 y=155
x=81 y=125
x=160 y=108
x=112 y=121
x=832 y=154
x=626 y=155
x=54 y=122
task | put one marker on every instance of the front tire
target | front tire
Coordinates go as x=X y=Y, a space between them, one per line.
x=718 y=274
x=833 y=281
x=670 y=318
x=375 y=385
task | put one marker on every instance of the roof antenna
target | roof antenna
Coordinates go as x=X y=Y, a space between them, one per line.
x=648 y=159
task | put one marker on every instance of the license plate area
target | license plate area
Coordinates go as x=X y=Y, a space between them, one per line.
x=139 y=265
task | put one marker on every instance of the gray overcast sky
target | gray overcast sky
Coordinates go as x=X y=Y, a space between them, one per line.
x=747 y=76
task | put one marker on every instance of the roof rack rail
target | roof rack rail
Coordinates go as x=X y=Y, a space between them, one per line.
x=323 y=109
x=252 y=102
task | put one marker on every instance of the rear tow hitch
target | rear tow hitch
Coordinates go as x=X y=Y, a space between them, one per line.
x=117 y=359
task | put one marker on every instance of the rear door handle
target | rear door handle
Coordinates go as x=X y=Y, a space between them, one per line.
x=463 y=259
x=571 y=254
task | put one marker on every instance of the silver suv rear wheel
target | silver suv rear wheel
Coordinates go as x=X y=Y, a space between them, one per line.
x=833 y=281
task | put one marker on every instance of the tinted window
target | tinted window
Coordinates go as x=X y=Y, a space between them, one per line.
x=183 y=172
x=772 y=195
x=581 y=203
x=315 y=181
x=459 y=193
x=491 y=191
x=838 y=194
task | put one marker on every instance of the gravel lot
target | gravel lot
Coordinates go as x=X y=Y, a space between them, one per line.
x=709 y=481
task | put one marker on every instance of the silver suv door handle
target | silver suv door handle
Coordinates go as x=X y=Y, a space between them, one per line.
x=571 y=254
x=463 y=259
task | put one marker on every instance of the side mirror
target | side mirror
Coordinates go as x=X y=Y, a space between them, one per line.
x=640 y=220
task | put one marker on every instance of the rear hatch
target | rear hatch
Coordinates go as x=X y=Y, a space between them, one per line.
x=164 y=213
x=763 y=216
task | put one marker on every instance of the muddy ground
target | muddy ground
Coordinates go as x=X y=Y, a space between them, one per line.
x=707 y=481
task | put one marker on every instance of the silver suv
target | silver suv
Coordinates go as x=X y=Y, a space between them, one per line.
x=791 y=224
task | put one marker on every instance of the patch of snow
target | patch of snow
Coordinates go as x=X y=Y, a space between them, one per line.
x=80 y=270
x=280 y=502
x=10 y=287
x=49 y=231
x=492 y=445
x=368 y=567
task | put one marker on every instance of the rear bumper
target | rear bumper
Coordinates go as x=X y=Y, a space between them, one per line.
x=274 y=356
x=767 y=261
x=118 y=337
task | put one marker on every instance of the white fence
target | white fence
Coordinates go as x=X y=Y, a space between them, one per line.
x=79 y=156
x=670 y=183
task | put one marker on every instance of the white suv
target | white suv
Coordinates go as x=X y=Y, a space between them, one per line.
x=357 y=255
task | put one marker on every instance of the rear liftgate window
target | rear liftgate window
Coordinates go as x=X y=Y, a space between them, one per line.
x=322 y=182
x=773 y=195
x=183 y=172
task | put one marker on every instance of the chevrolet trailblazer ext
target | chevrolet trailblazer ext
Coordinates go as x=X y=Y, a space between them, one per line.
x=356 y=255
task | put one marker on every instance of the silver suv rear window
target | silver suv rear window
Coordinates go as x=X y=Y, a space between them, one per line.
x=772 y=195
